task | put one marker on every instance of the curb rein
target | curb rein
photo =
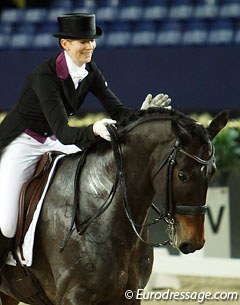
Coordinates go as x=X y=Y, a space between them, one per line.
x=120 y=179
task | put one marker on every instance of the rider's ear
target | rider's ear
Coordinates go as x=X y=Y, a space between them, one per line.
x=218 y=122
x=181 y=132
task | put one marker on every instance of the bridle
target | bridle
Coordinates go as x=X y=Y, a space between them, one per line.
x=170 y=208
x=170 y=162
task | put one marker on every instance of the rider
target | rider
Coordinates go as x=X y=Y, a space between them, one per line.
x=38 y=123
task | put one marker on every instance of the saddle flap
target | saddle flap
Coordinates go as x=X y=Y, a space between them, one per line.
x=31 y=193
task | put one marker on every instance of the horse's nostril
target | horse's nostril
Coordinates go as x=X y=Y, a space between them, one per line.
x=186 y=248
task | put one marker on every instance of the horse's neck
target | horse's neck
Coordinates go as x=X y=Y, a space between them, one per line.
x=136 y=169
x=143 y=152
x=99 y=174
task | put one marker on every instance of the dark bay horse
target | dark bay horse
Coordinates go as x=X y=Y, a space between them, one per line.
x=160 y=151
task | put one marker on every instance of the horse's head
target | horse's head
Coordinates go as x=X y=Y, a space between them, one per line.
x=175 y=157
x=191 y=167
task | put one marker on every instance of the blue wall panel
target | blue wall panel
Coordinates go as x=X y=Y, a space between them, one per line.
x=198 y=79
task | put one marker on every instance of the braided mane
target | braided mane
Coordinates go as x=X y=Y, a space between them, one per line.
x=138 y=116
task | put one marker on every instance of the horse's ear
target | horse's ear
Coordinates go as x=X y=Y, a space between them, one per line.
x=181 y=132
x=218 y=123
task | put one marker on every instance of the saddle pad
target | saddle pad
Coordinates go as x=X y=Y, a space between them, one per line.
x=28 y=243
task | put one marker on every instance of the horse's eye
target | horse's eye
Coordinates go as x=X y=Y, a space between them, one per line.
x=182 y=176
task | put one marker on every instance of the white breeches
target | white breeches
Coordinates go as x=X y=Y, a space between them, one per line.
x=17 y=165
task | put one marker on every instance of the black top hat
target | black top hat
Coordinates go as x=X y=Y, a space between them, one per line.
x=77 y=26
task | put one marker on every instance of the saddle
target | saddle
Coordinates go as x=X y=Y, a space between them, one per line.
x=31 y=193
x=20 y=279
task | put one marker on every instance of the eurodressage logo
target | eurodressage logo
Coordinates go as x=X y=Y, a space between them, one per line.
x=199 y=296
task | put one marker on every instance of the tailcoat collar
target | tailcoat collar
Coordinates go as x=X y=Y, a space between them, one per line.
x=61 y=66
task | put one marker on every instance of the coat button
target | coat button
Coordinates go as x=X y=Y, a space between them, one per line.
x=45 y=134
x=71 y=114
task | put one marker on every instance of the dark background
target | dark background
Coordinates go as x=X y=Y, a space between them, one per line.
x=198 y=79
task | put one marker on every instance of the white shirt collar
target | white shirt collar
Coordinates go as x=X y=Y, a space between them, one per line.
x=77 y=73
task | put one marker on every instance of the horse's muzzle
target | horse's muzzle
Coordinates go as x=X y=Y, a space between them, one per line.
x=188 y=247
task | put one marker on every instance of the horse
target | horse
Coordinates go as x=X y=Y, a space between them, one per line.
x=92 y=241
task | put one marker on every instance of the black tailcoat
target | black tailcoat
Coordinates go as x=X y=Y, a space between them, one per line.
x=47 y=99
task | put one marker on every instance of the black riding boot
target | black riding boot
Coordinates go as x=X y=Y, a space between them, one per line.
x=5 y=247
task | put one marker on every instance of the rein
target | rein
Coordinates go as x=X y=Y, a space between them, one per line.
x=170 y=209
x=82 y=226
x=117 y=150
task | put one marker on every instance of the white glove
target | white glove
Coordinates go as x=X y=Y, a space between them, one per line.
x=160 y=100
x=100 y=129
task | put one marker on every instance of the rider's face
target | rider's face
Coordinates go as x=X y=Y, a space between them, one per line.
x=79 y=50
